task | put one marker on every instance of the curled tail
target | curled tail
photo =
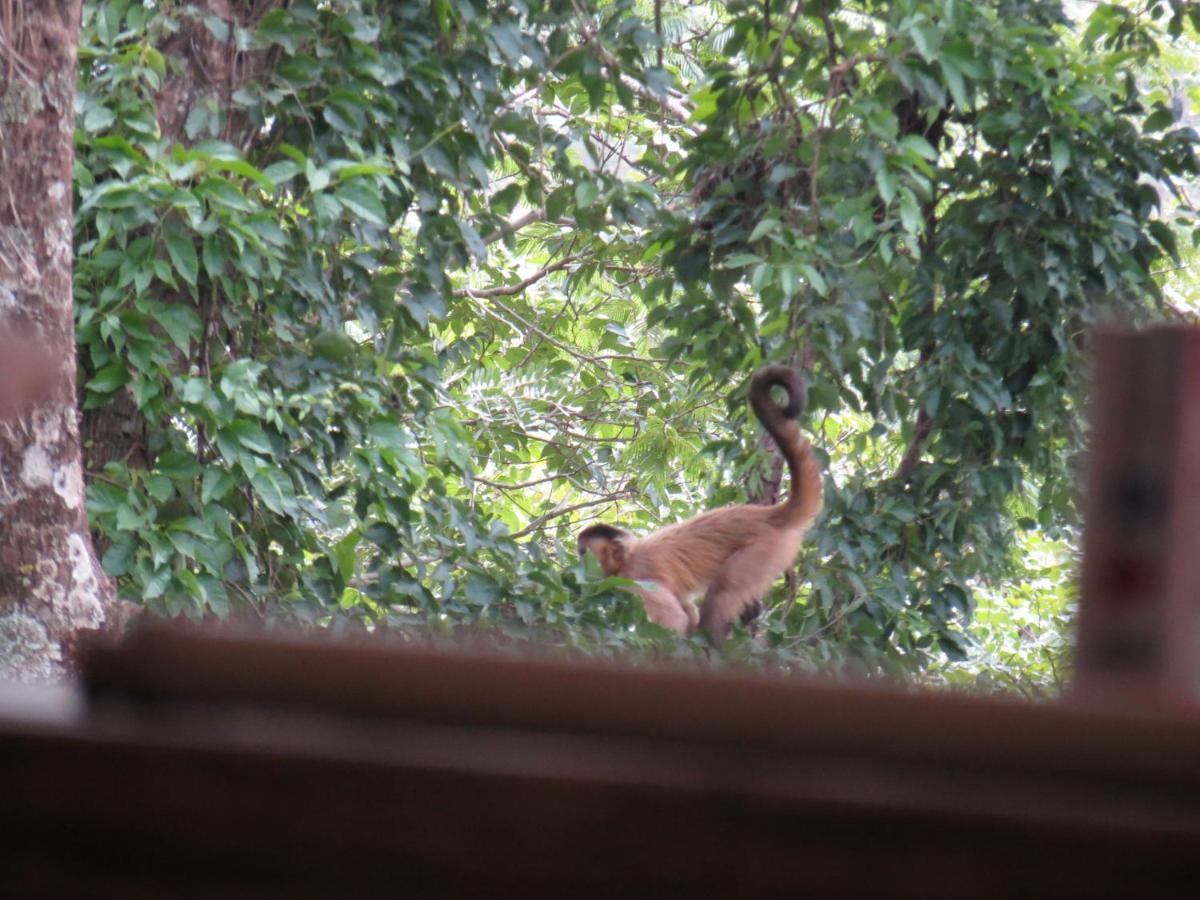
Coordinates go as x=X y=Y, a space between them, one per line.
x=804 y=499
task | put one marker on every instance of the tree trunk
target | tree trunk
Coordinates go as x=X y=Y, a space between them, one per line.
x=51 y=585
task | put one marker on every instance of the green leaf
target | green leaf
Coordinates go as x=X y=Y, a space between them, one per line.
x=437 y=160
x=159 y=487
x=424 y=304
x=471 y=238
x=216 y=484
x=481 y=590
x=958 y=87
x=334 y=345
x=318 y=177
x=1060 y=154
x=201 y=119
x=816 y=279
x=240 y=166
x=1165 y=237
x=503 y=201
x=916 y=144
x=129 y=519
x=586 y=193
x=97 y=118
x=274 y=488
x=556 y=203
x=761 y=276
x=885 y=180
x=763 y=228
x=910 y=213
x=214 y=256
x=217 y=27
x=249 y=436
x=344 y=555
x=282 y=171
x=177 y=465
x=953 y=646
x=183 y=256
x=221 y=192
x=118 y=559
x=109 y=379
x=181 y=324
x=1160 y=119
x=927 y=39
x=362 y=202
x=789 y=281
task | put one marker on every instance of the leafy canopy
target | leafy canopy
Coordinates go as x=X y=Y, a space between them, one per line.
x=434 y=284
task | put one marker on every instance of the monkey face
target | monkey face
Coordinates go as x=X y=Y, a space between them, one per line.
x=608 y=545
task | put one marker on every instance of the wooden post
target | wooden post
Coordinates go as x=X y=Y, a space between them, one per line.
x=1139 y=617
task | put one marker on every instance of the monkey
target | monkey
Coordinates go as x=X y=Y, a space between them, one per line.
x=731 y=555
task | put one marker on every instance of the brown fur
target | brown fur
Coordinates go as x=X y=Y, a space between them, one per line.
x=731 y=555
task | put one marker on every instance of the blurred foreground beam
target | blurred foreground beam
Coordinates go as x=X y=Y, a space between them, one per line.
x=263 y=768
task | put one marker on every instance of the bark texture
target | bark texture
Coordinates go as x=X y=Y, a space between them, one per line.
x=51 y=585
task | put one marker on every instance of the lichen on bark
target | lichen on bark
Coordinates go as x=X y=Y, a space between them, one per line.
x=27 y=652
x=20 y=101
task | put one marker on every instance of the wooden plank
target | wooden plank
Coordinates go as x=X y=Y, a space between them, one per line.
x=270 y=767
x=206 y=809
x=421 y=684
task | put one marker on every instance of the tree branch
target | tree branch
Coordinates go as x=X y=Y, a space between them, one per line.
x=507 y=290
x=658 y=30
x=679 y=112
x=521 y=485
x=597 y=361
x=534 y=215
x=564 y=510
x=912 y=456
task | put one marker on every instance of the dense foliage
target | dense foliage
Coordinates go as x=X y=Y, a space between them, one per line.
x=378 y=302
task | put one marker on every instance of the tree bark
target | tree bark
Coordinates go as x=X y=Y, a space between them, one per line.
x=51 y=585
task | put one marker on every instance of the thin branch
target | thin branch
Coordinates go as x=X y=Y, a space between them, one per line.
x=524 y=323
x=832 y=622
x=777 y=55
x=658 y=30
x=564 y=510
x=912 y=456
x=507 y=290
x=554 y=64
x=679 y=112
x=534 y=215
x=524 y=484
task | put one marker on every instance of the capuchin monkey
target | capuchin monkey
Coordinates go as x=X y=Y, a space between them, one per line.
x=730 y=555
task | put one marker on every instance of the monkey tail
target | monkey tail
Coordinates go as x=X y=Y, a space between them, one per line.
x=805 y=497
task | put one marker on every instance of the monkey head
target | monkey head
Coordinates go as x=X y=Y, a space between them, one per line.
x=609 y=544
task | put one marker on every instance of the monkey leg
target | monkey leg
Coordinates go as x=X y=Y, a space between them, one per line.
x=665 y=609
x=737 y=588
